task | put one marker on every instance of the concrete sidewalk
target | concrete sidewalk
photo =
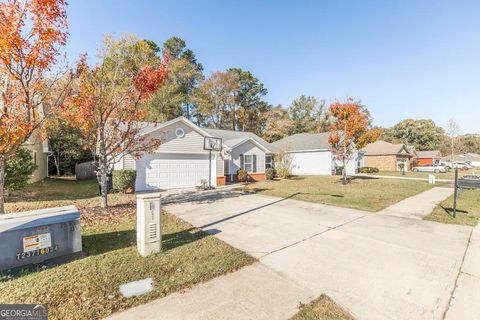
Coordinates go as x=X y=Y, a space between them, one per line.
x=254 y=292
x=420 y=205
x=465 y=303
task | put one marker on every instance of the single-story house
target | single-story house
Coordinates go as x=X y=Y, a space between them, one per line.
x=312 y=154
x=387 y=156
x=472 y=158
x=181 y=161
x=428 y=157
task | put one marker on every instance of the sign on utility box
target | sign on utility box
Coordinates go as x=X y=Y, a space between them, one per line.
x=149 y=224
x=33 y=237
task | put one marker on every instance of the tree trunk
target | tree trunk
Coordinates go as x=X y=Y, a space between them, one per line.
x=2 y=184
x=103 y=184
x=103 y=171
x=344 y=172
x=453 y=150
x=56 y=159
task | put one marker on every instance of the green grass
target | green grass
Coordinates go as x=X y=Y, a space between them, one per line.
x=88 y=288
x=61 y=192
x=322 y=308
x=369 y=194
x=468 y=209
x=424 y=175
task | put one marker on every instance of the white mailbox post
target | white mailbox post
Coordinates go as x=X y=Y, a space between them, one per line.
x=149 y=224
x=431 y=179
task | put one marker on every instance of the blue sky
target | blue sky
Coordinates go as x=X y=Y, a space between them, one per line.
x=403 y=59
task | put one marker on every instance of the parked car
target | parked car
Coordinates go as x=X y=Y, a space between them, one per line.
x=447 y=165
x=430 y=168
x=462 y=165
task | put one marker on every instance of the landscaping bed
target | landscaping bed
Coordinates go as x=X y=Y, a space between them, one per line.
x=322 y=308
x=468 y=209
x=364 y=193
x=89 y=288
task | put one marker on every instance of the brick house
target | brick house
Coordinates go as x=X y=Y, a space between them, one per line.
x=428 y=157
x=387 y=156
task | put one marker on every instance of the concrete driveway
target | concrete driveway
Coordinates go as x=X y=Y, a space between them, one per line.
x=378 y=266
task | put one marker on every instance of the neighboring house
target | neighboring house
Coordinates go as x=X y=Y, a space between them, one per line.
x=413 y=151
x=387 y=156
x=180 y=161
x=472 y=158
x=40 y=153
x=312 y=154
x=428 y=157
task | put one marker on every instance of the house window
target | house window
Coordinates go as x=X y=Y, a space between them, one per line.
x=268 y=161
x=248 y=162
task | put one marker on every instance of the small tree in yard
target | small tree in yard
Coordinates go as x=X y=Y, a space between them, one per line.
x=108 y=103
x=453 y=131
x=350 y=131
x=18 y=169
x=283 y=164
x=31 y=33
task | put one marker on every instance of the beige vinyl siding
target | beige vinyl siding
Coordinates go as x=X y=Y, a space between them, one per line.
x=219 y=166
x=40 y=158
x=128 y=162
x=192 y=142
x=248 y=148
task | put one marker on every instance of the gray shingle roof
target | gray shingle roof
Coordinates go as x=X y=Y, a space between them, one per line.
x=465 y=157
x=303 y=141
x=233 y=138
x=383 y=148
x=429 y=154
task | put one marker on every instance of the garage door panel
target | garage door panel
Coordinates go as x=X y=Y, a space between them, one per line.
x=318 y=162
x=167 y=171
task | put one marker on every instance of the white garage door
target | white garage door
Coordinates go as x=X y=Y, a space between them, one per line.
x=168 y=171
x=312 y=162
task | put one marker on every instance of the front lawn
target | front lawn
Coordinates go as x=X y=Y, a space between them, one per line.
x=468 y=209
x=89 y=288
x=364 y=193
x=61 y=192
x=322 y=308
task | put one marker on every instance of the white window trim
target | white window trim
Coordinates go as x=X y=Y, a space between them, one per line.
x=268 y=163
x=245 y=162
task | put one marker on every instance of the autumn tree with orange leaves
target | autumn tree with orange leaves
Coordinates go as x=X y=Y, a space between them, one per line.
x=31 y=34
x=350 y=131
x=108 y=102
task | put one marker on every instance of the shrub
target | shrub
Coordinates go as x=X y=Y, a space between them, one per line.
x=242 y=175
x=369 y=170
x=124 y=180
x=18 y=169
x=270 y=173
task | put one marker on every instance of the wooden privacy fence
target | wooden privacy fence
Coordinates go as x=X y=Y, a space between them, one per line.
x=85 y=170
